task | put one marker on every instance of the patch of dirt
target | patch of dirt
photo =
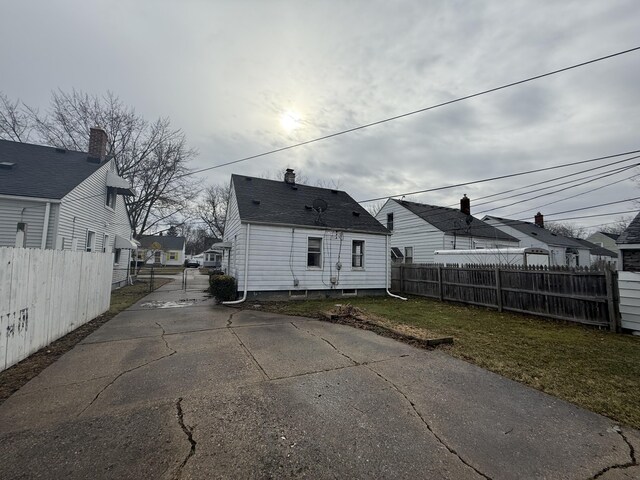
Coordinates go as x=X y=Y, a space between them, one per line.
x=358 y=318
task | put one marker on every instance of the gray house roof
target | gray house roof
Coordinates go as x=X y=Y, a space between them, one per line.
x=46 y=172
x=451 y=220
x=595 y=249
x=632 y=233
x=279 y=203
x=167 y=242
x=613 y=236
x=541 y=234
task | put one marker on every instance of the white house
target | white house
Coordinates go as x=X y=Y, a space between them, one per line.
x=563 y=251
x=598 y=255
x=284 y=240
x=162 y=250
x=419 y=230
x=52 y=198
x=629 y=276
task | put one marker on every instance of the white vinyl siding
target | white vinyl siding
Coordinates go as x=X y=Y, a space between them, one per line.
x=278 y=256
x=14 y=211
x=234 y=234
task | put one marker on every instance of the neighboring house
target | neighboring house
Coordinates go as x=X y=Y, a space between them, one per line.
x=563 y=251
x=629 y=244
x=52 y=198
x=162 y=250
x=287 y=240
x=629 y=276
x=212 y=257
x=599 y=255
x=418 y=230
x=605 y=240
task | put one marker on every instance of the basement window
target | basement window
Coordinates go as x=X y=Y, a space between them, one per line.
x=298 y=293
x=349 y=292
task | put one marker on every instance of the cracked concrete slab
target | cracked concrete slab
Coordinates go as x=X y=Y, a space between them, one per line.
x=283 y=350
x=501 y=426
x=156 y=393
x=340 y=424
x=140 y=443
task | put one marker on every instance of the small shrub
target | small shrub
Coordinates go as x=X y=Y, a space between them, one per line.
x=222 y=287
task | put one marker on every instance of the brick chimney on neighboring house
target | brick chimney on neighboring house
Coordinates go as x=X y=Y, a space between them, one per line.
x=289 y=176
x=97 y=144
x=465 y=205
x=539 y=220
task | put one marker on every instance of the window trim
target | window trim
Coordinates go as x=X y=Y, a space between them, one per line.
x=111 y=193
x=105 y=242
x=87 y=246
x=21 y=235
x=319 y=253
x=354 y=255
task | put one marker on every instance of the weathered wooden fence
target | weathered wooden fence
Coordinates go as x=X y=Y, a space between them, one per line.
x=577 y=295
x=45 y=294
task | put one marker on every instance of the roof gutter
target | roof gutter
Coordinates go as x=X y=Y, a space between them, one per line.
x=32 y=199
x=317 y=227
x=246 y=269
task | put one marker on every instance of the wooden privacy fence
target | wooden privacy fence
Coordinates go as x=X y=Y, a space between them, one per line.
x=577 y=295
x=45 y=294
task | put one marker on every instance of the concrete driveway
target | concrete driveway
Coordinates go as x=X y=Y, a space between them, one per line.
x=176 y=387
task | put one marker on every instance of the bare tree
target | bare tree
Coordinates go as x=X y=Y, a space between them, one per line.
x=212 y=209
x=618 y=227
x=15 y=121
x=153 y=156
x=374 y=207
x=566 y=229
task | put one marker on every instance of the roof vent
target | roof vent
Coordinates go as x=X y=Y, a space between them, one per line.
x=293 y=187
x=334 y=191
x=6 y=165
x=61 y=150
x=308 y=207
x=257 y=202
x=355 y=214
x=248 y=179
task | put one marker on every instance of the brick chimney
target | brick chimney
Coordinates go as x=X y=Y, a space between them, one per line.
x=539 y=220
x=289 y=176
x=465 y=205
x=97 y=143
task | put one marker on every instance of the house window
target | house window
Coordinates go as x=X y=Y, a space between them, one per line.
x=408 y=254
x=111 y=197
x=91 y=241
x=314 y=252
x=173 y=256
x=105 y=244
x=357 y=254
x=390 y=221
x=117 y=255
x=21 y=235
x=157 y=257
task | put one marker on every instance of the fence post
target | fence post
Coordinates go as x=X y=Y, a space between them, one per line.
x=498 y=289
x=402 y=270
x=440 y=293
x=614 y=324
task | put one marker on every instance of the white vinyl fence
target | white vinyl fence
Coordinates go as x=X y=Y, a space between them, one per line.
x=629 y=288
x=45 y=294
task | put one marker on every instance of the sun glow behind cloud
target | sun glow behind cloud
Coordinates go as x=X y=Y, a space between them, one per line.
x=290 y=120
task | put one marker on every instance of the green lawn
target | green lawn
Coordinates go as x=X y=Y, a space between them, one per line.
x=591 y=368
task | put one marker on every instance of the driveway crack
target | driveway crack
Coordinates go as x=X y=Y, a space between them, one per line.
x=173 y=352
x=620 y=466
x=188 y=431
x=250 y=355
x=330 y=344
x=419 y=415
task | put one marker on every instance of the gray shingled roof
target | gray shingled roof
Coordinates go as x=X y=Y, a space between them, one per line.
x=280 y=203
x=613 y=236
x=40 y=171
x=538 y=233
x=452 y=220
x=595 y=249
x=632 y=233
x=167 y=242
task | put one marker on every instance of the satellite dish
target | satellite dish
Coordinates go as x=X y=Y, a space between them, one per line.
x=319 y=205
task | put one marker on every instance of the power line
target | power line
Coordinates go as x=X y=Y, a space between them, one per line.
x=414 y=112
x=501 y=177
x=592 y=206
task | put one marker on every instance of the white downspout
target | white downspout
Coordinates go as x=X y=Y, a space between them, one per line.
x=45 y=227
x=246 y=269
x=386 y=269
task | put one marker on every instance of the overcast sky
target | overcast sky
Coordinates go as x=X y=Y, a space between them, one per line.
x=243 y=77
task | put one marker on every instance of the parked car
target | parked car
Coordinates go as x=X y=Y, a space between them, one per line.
x=191 y=263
